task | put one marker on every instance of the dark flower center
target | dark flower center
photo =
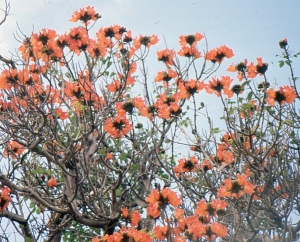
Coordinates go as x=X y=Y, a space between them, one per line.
x=109 y=33
x=151 y=109
x=236 y=187
x=190 y=39
x=279 y=97
x=210 y=209
x=219 y=57
x=237 y=89
x=145 y=40
x=44 y=39
x=240 y=67
x=218 y=87
x=120 y=125
x=189 y=165
x=262 y=69
x=164 y=59
x=169 y=101
x=128 y=107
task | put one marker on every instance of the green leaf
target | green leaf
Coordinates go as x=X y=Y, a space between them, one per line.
x=102 y=152
x=38 y=211
x=288 y=62
x=123 y=156
x=245 y=83
x=216 y=130
x=249 y=96
x=281 y=64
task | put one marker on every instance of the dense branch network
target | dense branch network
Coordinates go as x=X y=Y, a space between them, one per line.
x=93 y=151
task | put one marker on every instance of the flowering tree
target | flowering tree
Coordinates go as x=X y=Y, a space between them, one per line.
x=94 y=149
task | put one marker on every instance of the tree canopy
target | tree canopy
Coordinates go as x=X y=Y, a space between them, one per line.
x=96 y=148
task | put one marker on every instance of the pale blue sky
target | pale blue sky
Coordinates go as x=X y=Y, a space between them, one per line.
x=251 y=28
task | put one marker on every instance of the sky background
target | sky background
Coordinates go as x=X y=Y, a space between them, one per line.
x=251 y=28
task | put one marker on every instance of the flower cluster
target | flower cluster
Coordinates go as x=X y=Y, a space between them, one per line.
x=4 y=198
x=236 y=188
x=160 y=199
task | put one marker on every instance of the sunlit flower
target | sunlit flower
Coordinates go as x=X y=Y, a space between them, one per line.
x=186 y=165
x=213 y=208
x=190 y=39
x=4 y=198
x=285 y=94
x=166 y=56
x=117 y=127
x=161 y=232
x=85 y=15
x=165 y=75
x=52 y=182
x=145 y=40
x=190 y=87
x=13 y=149
x=236 y=188
x=218 y=54
x=189 y=52
x=214 y=230
x=217 y=86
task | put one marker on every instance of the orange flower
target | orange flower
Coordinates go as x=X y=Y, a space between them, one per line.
x=109 y=156
x=236 y=188
x=195 y=228
x=213 y=208
x=160 y=232
x=216 y=86
x=190 y=39
x=96 y=49
x=218 y=54
x=153 y=210
x=170 y=197
x=261 y=67
x=108 y=33
x=241 y=68
x=52 y=182
x=223 y=155
x=190 y=87
x=95 y=239
x=114 y=86
x=85 y=15
x=206 y=165
x=284 y=94
x=14 y=149
x=135 y=218
x=4 y=198
x=145 y=40
x=158 y=199
x=117 y=127
x=8 y=79
x=78 y=40
x=189 y=52
x=125 y=213
x=61 y=114
x=166 y=56
x=215 y=229
x=185 y=165
x=165 y=75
